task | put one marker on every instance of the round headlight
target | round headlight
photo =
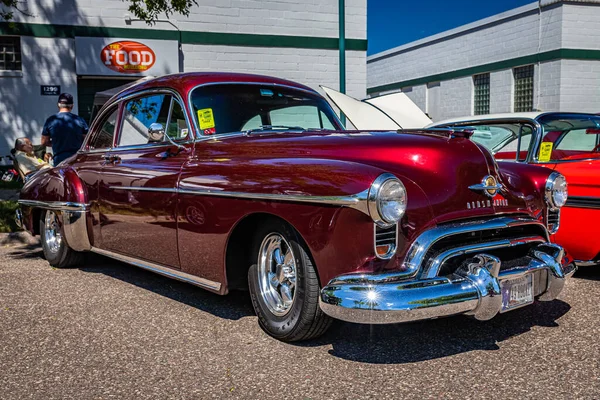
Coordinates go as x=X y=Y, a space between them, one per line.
x=556 y=190
x=387 y=200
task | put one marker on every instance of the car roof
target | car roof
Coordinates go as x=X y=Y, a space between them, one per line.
x=492 y=117
x=184 y=82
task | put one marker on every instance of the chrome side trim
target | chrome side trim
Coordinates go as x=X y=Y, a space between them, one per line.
x=144 y=189
x=161 y=270
x=433 y=267
x=583 y=202
x=356 y=201
x=55 y=205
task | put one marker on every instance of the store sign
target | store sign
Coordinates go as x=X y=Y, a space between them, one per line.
x=128 y=57
x=125 y=57
x=50 y=90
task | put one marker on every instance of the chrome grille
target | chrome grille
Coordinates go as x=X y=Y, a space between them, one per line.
x=386 y=238
x=553 y=220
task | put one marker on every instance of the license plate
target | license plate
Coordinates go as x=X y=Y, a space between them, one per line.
x=517 y=292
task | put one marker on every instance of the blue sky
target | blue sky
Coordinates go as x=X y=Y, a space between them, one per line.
x=391 y=23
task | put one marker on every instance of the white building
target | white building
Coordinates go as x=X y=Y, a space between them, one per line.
x=63 y=43
x=542 y=56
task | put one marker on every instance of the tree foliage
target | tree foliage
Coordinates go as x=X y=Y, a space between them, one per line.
x=145 y=10
x=150 y=10
x=9 y=7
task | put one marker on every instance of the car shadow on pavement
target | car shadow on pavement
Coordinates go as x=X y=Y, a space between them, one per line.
x=591 y=273
x=234 y=306
x=426 y=340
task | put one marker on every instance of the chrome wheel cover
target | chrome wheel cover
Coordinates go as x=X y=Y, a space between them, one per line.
x=52 y=235
x=277 y=274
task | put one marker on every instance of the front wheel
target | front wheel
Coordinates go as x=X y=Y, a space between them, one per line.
x=284 y=286
x=55 y=247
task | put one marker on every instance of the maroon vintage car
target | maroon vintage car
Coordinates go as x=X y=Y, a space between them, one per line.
x=234 y=181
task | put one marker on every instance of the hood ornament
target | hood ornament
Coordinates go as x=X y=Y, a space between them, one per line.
x=489 y=186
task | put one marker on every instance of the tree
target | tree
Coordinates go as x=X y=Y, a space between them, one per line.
x=9 y=7
x=146 y=10
x=149 y=10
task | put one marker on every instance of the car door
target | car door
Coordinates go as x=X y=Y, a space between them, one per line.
x=138 y=196
x=90 y=162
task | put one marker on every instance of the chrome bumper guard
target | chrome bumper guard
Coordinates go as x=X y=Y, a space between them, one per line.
x=19 y=218
x=474 y=289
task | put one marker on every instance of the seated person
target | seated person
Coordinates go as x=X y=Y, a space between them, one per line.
x=27 y=161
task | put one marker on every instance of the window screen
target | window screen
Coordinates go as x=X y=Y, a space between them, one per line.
x=481 y=98
x=523 y=88
x=10 y=53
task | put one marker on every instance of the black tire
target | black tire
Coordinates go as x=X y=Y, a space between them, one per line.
x=304 y=319
x=60 y=255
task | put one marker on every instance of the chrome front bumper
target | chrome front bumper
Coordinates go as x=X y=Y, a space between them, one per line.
x=474 y=289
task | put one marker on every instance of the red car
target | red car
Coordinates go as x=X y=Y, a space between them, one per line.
x=231 y=181
x=568 y=143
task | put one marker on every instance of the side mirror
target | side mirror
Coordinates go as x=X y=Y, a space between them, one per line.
x=156 y=133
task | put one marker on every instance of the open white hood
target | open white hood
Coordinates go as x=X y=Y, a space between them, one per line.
x=388 y=112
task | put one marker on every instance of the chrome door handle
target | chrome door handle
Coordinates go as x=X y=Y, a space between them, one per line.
x=112 y=159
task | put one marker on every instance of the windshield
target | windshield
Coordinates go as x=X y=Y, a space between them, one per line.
x=569 y=138
x=228 y=108
x=507 y=141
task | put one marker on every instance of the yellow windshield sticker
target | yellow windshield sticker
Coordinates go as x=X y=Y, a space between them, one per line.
x=545 y=151
x=206 y=118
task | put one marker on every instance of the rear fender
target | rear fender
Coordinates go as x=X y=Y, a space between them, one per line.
x=60 y=190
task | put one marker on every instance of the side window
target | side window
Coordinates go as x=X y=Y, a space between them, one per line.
x=139 y=114
x=577 y=140
x=177 y=128
x=103 y=139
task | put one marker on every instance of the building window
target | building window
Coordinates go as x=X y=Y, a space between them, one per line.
x=523 y=88
x=10 y=53
x=481 y=98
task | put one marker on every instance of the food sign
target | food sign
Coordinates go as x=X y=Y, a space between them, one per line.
x=128 y=57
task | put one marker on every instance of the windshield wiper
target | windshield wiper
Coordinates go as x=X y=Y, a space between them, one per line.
x=263 y=128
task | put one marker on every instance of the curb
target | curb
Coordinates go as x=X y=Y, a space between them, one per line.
x=18 y=238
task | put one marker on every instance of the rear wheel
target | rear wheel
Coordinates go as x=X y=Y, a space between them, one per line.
x=284 y=286
x=55 y=247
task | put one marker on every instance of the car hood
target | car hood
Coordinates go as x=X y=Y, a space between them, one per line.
x=390 y=111
x=442 y=167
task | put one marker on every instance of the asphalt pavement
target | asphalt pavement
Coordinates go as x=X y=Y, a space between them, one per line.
x=109 y=330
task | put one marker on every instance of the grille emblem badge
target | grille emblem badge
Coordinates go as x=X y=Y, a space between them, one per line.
x=489 y=186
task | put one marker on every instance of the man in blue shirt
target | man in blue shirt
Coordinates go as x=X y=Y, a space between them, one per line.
x=64 y=131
